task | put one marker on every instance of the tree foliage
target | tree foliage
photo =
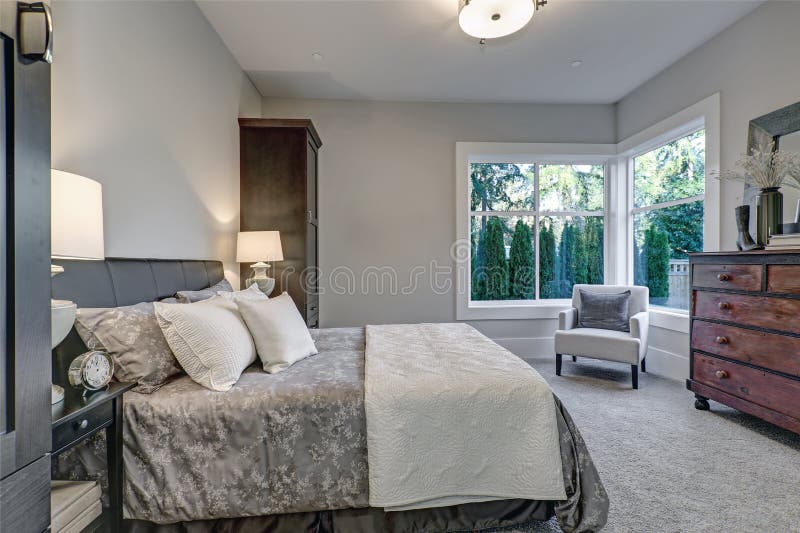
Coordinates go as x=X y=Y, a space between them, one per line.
x=656 y=245
x=521 y=267
x=547 y=260
x=496 y=266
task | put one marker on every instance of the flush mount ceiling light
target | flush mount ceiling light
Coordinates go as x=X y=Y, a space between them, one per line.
x=489 y=19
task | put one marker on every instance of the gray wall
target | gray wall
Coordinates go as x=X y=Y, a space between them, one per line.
x=387 y=193
x=145 y=101
x=754 y=65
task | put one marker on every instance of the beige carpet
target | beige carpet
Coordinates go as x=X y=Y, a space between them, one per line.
x=670 y=468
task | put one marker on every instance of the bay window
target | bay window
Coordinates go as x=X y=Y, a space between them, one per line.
x=533 y=220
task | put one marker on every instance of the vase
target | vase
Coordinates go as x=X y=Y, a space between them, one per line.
x=744 y=241
x=769 y=213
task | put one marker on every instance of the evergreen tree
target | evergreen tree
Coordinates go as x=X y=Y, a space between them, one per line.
x=594 y=250
x=478 y=271
x=547 y=261
x=639 y=267
x=566 y=260
x=656 y=245
x=496 y=266
x=521 y=270
x=579 y=257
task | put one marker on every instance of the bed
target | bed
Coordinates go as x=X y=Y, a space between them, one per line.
x=282 y=452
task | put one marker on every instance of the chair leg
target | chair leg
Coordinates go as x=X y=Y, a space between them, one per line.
x=635 y=376
x=558 y=364
x=644 y=364
x=574 y=358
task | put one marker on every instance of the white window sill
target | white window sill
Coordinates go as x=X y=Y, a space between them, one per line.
x=671 y=319
x=513 y=309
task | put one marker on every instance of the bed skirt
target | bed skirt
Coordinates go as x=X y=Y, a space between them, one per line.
x=505 y=515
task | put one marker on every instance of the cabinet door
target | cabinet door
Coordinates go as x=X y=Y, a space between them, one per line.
x=311 y=182
x=26 y=390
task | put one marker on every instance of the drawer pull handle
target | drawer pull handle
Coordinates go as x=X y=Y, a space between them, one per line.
x=721 y=374
x=724 y=305
x=724 y=277
x=83 y=424
x=721 y=340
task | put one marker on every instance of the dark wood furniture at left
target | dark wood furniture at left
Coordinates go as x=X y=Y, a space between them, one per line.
x=79 y=417
x=24 y=284
x=278 y=191
x=745 y=333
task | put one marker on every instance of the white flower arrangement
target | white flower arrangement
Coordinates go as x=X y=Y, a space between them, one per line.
x=765 y=168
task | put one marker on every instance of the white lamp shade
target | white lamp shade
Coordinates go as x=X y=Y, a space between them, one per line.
x=76 y=217
x=489 y=19
x=255 y=246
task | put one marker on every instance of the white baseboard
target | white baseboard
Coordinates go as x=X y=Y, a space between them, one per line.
x=667 y=364
x=529 y=347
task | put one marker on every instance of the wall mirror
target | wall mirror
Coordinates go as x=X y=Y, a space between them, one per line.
x=782 y=127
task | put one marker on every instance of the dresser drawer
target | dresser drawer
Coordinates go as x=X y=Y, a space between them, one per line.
x=739 y=277
x=781 y=314
x=71 y=430
x=783 y=279
x=770 y=350
x=762 y=388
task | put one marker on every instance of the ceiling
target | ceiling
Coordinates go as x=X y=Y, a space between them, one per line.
x=413 y=50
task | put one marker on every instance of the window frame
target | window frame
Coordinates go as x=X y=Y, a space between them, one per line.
x=703 y=115
x=520 y=153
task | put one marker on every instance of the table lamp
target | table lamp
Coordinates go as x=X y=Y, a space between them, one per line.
x=257 y=247
x=76 y=232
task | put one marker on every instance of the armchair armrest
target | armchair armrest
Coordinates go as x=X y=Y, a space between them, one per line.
x=567 y=319
x=640 y=323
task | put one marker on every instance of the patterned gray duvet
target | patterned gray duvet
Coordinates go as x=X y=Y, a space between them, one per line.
x=283 y=443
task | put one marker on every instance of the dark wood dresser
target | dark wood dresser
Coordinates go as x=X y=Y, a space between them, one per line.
x=745 y=333
x=278 y=191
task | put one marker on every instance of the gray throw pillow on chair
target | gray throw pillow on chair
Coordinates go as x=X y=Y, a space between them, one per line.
x=604 y=310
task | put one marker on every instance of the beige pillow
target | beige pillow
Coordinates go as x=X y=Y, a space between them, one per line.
x=209 y=339
x=280 y=334
x=133 y=338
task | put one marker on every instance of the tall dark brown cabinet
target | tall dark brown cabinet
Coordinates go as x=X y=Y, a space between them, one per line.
x=25 y=360
x=279 y=177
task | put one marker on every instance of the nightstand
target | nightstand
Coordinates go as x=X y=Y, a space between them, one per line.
x=79 y=417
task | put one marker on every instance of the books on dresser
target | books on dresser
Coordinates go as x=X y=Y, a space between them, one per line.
x=786 y=241
x=73 y=505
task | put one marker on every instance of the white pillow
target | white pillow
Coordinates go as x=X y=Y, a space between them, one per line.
x=209 y=340
x=281 y=335
x=250 y=293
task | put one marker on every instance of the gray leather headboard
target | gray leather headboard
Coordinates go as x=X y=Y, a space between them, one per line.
x=118 y=281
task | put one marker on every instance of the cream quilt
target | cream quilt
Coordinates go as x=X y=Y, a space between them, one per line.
x=454 y=418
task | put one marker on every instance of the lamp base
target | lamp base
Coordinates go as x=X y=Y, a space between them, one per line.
x=265 y=284
x=56 y=394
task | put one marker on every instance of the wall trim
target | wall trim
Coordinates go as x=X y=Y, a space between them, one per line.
x=529 y=347
x=667 y=364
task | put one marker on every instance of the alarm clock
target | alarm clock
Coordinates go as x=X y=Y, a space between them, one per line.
x=91 y=370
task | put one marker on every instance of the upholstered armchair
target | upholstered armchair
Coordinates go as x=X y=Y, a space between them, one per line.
x=609 y=345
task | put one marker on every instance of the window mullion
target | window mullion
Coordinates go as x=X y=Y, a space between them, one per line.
x=536 y=231
x=671 y=203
